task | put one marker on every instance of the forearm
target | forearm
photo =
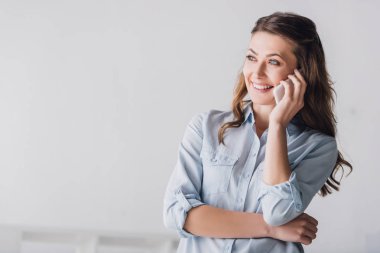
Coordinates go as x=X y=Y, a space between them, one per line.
x=215 y=222
x=276 y=167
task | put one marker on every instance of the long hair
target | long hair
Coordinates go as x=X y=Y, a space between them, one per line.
x=319 y=102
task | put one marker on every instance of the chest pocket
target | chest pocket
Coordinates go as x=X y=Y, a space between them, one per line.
x=217 y=171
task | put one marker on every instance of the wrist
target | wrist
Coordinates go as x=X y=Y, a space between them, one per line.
x=263 y=229
x=276 y=124
x=271 y=231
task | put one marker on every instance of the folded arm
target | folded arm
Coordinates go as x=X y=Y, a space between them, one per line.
x=185 y=212
x=286 y=193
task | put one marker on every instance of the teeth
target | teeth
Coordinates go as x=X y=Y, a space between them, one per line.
x=261 y=87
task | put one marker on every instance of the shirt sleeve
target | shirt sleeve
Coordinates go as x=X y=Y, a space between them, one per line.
x=283 y=202
x=182 y=192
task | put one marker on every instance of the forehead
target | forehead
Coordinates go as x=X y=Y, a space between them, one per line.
x=264 y=43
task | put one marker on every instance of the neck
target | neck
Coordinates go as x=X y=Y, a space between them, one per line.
x=262 y=113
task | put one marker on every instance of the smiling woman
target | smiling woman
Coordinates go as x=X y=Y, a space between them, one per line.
x=268 y=55
x=245 y=177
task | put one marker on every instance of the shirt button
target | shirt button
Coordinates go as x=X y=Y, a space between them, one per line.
x=247 y=175
x=213 y=160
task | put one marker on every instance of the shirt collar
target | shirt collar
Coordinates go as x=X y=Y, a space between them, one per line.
x=292 y=128
x=248 y=114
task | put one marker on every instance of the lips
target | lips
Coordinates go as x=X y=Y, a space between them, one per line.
x=262 y=86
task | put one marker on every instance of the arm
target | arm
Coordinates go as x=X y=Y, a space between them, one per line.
x=277 y=168
x=185 y=211
x=183 y=206
x=215 y=222
x=285 y=194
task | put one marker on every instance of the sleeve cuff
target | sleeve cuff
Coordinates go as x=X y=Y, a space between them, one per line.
x=185 y=204
x=287 y=190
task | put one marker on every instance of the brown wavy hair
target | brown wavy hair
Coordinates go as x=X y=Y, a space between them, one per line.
x=319 y=101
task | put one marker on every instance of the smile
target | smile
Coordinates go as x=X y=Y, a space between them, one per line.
x=261 y=87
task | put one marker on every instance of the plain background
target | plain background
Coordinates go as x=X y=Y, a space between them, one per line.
x=95 y=97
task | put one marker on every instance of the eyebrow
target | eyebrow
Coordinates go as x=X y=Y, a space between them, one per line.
x=273 y=54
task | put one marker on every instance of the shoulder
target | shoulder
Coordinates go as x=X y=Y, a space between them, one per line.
x=319 y=139
x=210 y=119
x=207 y=124
x=312 y=143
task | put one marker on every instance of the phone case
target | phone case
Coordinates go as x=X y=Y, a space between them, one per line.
x=278 y=92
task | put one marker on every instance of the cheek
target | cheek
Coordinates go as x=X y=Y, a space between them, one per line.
x=248 y=69
x=245 y=69
x=245 y=72
x=278 y=75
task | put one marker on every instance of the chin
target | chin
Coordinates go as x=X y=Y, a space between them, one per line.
x=263 y=101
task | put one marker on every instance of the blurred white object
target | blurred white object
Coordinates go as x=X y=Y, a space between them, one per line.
x=10 y=240
x=38 y=240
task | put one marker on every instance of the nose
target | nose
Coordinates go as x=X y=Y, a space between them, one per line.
x=258 y=69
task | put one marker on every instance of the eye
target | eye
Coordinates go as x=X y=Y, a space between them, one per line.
x=274 y=62
x=250 y=57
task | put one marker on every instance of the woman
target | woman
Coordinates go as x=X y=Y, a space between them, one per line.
x=245 y=177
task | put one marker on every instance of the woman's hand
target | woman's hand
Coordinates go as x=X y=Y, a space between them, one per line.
x=292 y=101
x=302 y=229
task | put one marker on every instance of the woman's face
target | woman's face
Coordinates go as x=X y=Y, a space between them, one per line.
x=269 y=60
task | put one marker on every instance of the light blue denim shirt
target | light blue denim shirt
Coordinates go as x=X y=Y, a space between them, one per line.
x=230 y=177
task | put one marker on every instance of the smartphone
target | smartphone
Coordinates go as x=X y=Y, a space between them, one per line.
x=279 y=91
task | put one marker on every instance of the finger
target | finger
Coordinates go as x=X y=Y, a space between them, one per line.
x=297 y=87
x=288 y=89
x=305 y=240
x=310 y=219
x=313 y=221
x=312 y=227
x=310 y=233
x=301 y=78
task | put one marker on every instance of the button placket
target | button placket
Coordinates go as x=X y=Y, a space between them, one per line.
x=245 y=179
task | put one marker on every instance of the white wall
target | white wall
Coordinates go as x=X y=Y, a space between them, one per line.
x=95 y=96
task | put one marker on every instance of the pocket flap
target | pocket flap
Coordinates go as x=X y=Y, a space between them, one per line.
x=218 y=157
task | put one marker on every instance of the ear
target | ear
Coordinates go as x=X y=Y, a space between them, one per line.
x=301 y=71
